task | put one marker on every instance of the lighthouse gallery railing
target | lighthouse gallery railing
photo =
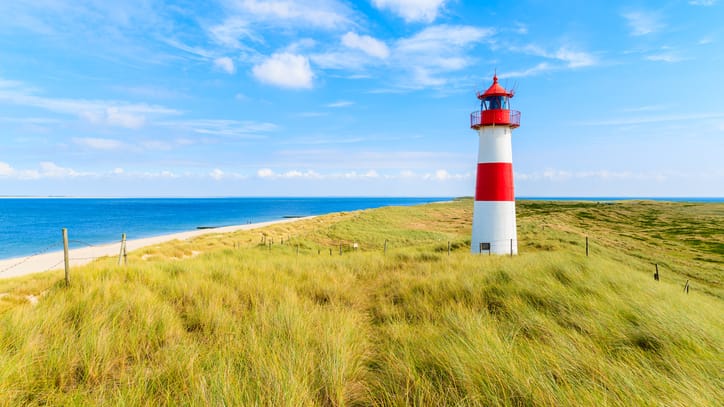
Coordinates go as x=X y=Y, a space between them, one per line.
x=494 y=117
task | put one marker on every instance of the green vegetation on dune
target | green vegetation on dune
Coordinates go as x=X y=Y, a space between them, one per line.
x=227 y=320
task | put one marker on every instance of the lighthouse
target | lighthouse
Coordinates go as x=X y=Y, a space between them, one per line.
x=494 y=209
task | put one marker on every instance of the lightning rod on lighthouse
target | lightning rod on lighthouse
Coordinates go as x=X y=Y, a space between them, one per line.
x=494 y=209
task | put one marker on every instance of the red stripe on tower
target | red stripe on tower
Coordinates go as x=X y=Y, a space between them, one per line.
x=494 y=182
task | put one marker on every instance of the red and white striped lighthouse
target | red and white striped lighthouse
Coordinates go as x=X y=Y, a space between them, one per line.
x=494 y=210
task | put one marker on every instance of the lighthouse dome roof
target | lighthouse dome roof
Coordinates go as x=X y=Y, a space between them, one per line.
x=495 y=90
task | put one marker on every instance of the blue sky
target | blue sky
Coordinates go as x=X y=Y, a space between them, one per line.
x=333 y=97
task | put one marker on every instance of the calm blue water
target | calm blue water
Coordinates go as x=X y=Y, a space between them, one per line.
x=31 y=225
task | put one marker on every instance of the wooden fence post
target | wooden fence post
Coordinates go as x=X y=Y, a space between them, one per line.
x=65 y=257
x=511 y=247
x=448 y=247
x=122 y=252
x=586 y=246
x=656 y=274
x=686 y=287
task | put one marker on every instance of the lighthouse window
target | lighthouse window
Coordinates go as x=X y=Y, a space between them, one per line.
x=496 y=102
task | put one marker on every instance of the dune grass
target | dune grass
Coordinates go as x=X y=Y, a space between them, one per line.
x=230 y=320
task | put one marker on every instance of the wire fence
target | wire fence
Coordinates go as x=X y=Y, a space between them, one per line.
x=49 y=263
x=268 y=242
x=31 y=256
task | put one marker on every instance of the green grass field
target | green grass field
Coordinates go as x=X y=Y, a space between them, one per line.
x=229 y=320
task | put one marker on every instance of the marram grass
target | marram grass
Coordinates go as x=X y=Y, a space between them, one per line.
x=224 y=320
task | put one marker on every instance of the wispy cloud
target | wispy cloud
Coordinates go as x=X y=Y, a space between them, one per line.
x=571 y=58
x=318 y=13
x=340 y=103
x=642 y=22
x=231 y=32
x=541 y=67
x=705 y=3
x=652 y=119
x=669 y=57
x=558 y=59
x=224 y=128
x=365 y=43
x=563 y=175
x=105 y=112
x=98 y=143
x=437 y=175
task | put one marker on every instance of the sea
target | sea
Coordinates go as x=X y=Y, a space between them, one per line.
x=30 y=226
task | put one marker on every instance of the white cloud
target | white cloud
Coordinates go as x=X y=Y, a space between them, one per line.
x=425 y=59
x=118 y=116
x=118 y=171
x=225 y=64
x=52 y=170
x=216 y=174
x=440 y=38
x=702 y=2
x=5 y=169
x=47 y=169
x=444 y=175
x=285 y=70
x=574 y=59
x=98 y=143
x=269 y=174
x=366 y=44
x=642 y=23
x=412 y=10
x=265 y=173
x=435 y=51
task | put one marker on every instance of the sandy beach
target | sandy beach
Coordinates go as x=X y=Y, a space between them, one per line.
x=21 y=266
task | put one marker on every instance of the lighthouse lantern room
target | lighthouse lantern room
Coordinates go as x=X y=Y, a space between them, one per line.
x=494 y=226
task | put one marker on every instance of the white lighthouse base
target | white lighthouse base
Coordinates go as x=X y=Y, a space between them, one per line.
x=494 y=223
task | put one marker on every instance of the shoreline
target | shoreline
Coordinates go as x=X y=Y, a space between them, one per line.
x=21 y=266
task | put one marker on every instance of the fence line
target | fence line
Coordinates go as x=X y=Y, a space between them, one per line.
x=55 y=246
x=267 y=242
x=25 y=259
